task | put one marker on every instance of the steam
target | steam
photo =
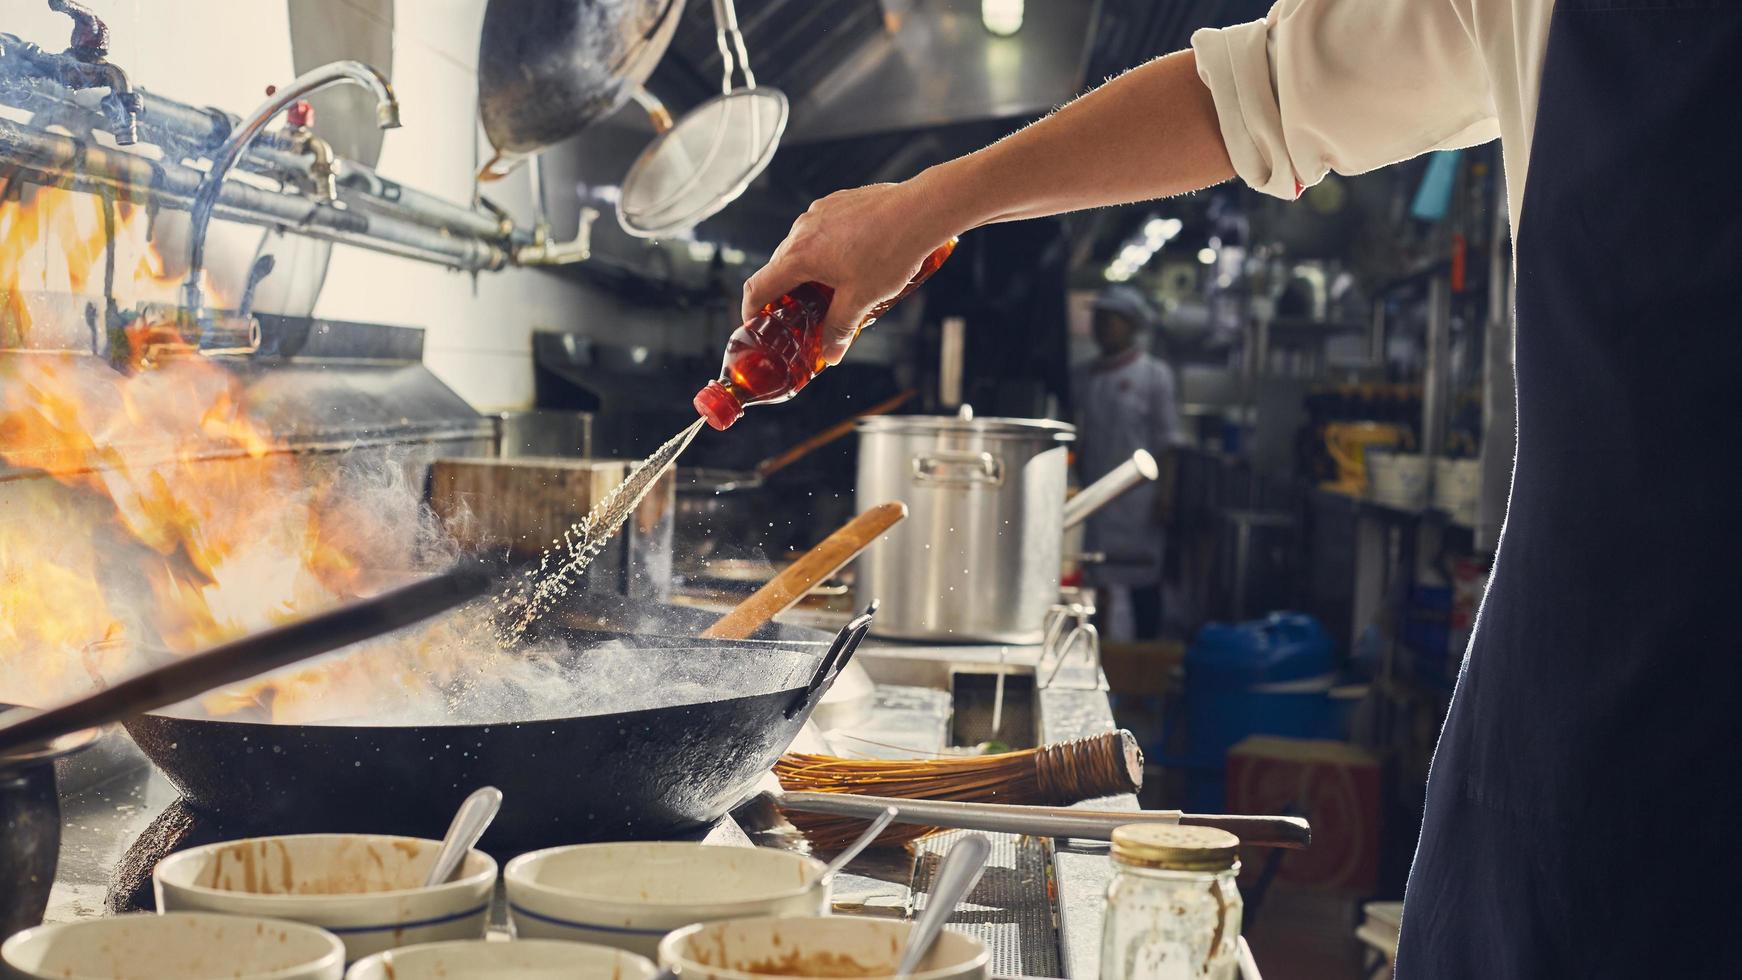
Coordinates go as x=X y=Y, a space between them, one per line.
x=460 y=679
x=372 y=504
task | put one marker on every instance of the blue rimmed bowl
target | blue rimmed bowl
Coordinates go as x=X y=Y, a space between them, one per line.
x=365 y=888
x=629 y=895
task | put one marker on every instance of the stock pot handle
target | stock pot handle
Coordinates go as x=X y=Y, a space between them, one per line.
x=946 y=468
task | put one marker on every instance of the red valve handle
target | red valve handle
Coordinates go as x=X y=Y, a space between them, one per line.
x=300 y=115
x=90 y=35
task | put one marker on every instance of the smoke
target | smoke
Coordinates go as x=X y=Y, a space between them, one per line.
x=372 y=507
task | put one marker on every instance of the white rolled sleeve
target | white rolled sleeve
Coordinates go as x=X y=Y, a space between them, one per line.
x=1345 y=85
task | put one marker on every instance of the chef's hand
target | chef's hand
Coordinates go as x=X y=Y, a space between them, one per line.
x=866 y=243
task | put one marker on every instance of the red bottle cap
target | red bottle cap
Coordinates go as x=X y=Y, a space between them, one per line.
x=719 y=406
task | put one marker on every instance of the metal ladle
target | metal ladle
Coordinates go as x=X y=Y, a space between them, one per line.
x=851 y=851
x=959 y=873
x=470 y=821
x=706 y=160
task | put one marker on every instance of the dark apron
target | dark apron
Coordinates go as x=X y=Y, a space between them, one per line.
x=1585 y=805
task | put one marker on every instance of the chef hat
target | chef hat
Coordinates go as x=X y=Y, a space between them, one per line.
x=1128 y=302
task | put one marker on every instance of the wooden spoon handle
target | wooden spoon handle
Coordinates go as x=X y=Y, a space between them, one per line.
x=801 y=576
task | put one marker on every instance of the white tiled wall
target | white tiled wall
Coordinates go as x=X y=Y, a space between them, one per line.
x=225 y=53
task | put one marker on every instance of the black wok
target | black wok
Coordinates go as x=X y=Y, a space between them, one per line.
x=639 y=772
x=547 y=68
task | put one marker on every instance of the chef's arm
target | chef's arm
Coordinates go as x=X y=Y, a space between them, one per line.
x=1150 y=133
x=1317 y=85
x=1092 y=153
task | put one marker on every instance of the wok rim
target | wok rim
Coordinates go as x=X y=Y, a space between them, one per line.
x=761 y=646
x=455 y=726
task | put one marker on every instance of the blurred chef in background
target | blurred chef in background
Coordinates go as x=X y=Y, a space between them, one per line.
x=1125 y=402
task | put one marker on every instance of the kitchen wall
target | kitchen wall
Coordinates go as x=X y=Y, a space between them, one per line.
x=226 y=52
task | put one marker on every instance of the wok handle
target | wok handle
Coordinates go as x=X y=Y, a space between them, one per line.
x=833 y=662
x=247 y=657
x=1046 y=821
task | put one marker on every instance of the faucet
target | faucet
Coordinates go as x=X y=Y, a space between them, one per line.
x=243 y=136
x=85 y=64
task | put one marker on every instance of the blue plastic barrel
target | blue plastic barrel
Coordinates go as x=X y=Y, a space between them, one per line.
x=1269 y=676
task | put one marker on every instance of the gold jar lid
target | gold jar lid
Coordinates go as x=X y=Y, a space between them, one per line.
x=1171 y=847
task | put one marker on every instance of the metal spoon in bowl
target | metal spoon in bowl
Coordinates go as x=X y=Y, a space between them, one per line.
x=470 y=821
x=852 y=850
x=960 y=872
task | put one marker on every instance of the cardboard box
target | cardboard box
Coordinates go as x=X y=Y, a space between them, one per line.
x=1336 y=786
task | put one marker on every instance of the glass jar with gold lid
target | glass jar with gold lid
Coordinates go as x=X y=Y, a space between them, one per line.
x=1173 y=909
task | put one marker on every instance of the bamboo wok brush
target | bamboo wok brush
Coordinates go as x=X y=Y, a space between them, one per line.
x=1052 y=775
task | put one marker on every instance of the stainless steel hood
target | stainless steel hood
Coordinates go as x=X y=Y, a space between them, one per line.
x=942 y=66
x=320 y=386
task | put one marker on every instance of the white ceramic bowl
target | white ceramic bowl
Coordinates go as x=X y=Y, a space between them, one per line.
x=629 y=895
x=748 y=949
x=367 y=889
x=177 y=946
x=536 y=959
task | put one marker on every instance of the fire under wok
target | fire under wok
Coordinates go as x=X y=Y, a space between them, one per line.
x=668 y=759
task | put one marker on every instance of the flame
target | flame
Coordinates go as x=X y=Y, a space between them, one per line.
x=159 y=476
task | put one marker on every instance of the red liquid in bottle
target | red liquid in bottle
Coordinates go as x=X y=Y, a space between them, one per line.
x=779 y=350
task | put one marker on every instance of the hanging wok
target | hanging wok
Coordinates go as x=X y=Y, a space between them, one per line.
x=642 y=772
x=549 y=68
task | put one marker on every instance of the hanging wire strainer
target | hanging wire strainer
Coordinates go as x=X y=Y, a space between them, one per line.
x=703 y=162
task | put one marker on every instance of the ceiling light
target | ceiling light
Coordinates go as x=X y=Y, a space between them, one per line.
x=1001 y=17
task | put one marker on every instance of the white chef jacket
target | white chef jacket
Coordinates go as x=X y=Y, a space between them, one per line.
x=1354 y=85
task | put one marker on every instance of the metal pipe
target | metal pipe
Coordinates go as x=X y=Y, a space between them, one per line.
x=224 y=159
x=84 y=64
x=1140 y=468
x=185 y=130
x=372 y=191
x=52 y=158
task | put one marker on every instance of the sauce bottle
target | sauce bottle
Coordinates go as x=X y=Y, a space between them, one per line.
x=779 y=350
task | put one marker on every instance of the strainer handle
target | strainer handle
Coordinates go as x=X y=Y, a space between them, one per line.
x=729 y=39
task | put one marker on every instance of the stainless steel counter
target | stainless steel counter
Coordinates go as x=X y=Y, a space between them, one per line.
x=1034 y=929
